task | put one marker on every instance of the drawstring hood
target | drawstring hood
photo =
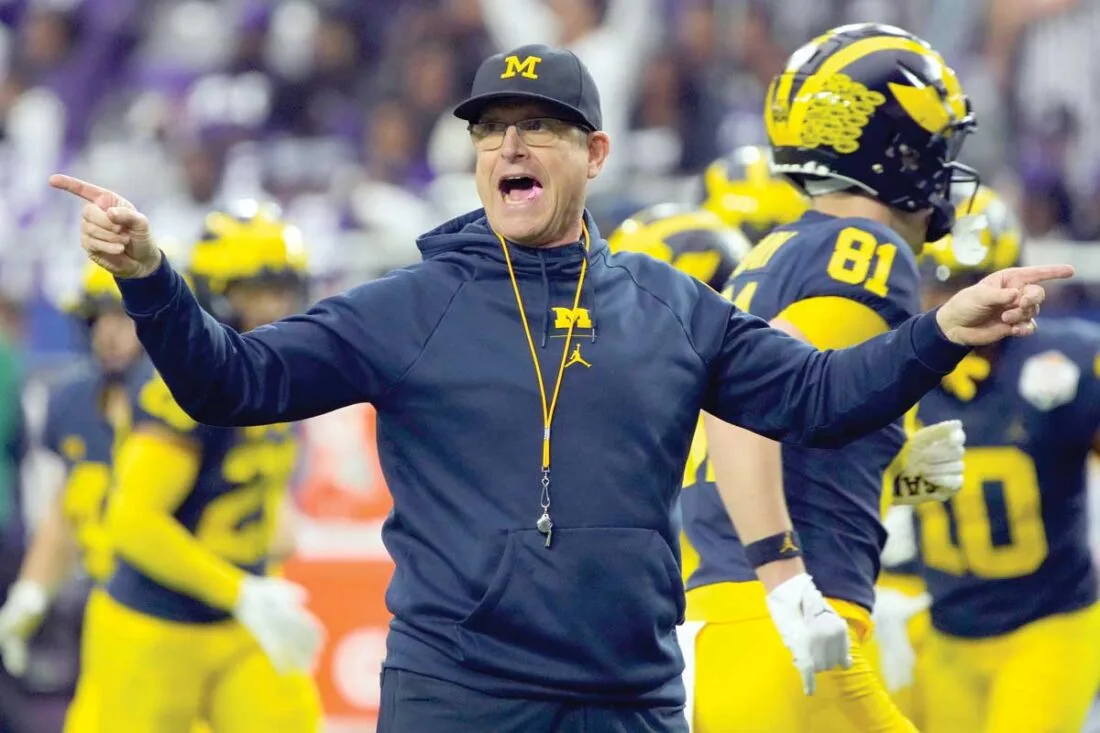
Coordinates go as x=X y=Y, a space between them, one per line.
x=471 y=233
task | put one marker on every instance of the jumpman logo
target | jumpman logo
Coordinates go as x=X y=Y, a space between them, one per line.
x=576 y=358
x=788 y=544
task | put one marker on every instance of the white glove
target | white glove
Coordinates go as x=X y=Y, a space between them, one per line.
x=933 y=469
x=893 y=609
x=19 y=617
x=272 y=611
x=814 y=633
x=901 y=537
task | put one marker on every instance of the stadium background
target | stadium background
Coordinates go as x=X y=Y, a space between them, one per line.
x=340 y=111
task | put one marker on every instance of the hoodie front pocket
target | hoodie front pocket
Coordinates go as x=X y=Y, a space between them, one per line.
x=595 y=612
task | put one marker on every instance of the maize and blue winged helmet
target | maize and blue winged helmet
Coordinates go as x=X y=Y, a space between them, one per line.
x=742 y=189
x=692 y=240
x=98 y=292
x=873 y=108
x=250 y=244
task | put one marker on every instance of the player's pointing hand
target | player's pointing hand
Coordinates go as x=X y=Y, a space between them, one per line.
x=112 y=231
x=1001 y=305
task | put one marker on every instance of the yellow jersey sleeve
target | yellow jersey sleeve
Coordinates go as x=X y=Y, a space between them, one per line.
x=155 y=472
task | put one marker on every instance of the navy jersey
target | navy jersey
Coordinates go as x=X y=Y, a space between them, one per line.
x=242 y=478
x=82 y=432
x=76 y=428
x=811 y=272
x=1012 y=546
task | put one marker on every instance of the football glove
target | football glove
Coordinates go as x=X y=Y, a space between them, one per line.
x=901 y=537
x=19 y=618
x=272 y=610
x=891 y=615
x=814 y=633
x=933 y=465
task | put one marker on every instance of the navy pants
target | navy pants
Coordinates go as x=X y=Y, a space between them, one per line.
x=413 y=703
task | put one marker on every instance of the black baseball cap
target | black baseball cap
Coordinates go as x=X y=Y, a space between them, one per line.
x=538 y=73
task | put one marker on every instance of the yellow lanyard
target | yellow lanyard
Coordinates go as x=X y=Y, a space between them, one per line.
x=544 y=524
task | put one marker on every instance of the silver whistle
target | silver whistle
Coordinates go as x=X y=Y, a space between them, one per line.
x=546 y=526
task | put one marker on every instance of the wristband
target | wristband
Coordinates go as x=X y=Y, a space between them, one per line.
x=782 y=546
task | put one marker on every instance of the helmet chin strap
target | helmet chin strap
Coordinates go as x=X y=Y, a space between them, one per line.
x=943 y=211
x=942 y=219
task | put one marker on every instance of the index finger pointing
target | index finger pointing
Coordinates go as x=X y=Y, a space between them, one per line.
x=87 y=191
x=1019 y=276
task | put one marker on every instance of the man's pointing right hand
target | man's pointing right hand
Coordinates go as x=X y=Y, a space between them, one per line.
x=112 y=231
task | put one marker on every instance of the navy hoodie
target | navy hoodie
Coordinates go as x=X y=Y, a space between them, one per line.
x=439 y=349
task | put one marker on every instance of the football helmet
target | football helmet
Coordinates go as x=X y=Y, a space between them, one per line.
x=986 y=237
x=742 y=189
x=98 y=292
x=250 y=244
x=872 y=107
x=695 y=241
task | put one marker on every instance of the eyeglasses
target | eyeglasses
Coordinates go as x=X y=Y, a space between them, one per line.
x=539 y=132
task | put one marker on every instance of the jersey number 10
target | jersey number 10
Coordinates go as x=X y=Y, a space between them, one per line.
x=959 y=537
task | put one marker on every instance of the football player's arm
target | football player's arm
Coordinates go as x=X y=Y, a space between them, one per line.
x=748 y=471
x=766 y=381
x=50 y=560
x=53 y=553
x=154 y=470
x=748 y=467
x=346 y=349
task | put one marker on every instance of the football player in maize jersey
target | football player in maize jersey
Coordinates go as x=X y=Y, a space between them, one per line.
x=867 y=120
x=189 y=627
x=1015 y=643
x=700 y=243
x=87 y=412
x=743 y=191
x=902 y=621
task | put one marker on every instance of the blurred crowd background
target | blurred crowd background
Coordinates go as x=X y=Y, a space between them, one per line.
x=340 y=111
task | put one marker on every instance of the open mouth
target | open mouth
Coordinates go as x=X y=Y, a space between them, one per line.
x=520 y=189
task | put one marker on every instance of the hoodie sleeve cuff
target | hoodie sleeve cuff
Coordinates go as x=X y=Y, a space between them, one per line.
x=145 y=296
x=932 y=347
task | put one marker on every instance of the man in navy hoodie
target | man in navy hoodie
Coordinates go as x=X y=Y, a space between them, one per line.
x=537 y=398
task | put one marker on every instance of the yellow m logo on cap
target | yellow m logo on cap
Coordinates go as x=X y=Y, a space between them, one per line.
x=526 y=68
x=563 y=317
